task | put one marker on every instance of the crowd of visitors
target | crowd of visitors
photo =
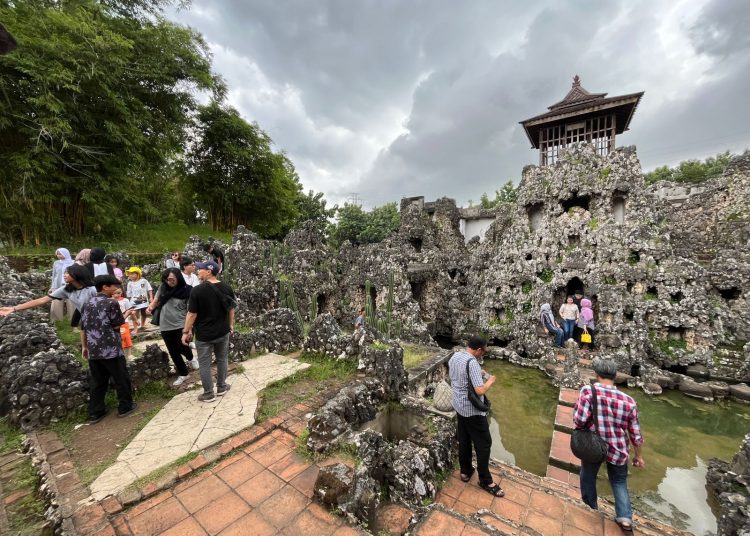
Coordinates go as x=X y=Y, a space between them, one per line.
x=101 y=300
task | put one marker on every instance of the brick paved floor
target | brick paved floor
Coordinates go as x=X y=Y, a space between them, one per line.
x=526 y=509
x=262 y=490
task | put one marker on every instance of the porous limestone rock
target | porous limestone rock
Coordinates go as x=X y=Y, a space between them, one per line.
x=730 y=482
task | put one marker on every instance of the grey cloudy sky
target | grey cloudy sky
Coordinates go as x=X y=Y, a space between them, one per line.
x=423 y=97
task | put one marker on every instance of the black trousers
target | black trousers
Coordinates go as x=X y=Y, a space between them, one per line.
x=173 y=340
x=475 y=430
x=101 y=370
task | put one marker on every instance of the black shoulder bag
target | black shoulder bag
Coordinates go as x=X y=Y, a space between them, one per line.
x=586 y=444
x=479 y=402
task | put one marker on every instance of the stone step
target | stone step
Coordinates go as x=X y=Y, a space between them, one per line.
x=564 y=419
x=567 y=397
x=560 y=454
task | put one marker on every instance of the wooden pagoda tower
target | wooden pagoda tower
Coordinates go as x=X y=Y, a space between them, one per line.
x=580 y=117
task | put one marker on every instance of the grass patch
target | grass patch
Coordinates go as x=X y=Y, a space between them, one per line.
x=26 y=515
x=144 y=239
x=545 y=275
x=526 y=287
x=71 y=339
x=161 y=471
x=649 y=296
x=416 y=355
x=10 y=436
x=303 y=384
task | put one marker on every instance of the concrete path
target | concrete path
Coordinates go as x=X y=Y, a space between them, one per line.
x=186 y=425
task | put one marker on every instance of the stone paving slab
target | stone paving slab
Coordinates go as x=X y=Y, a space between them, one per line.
x=186 y=425
x=264 y=489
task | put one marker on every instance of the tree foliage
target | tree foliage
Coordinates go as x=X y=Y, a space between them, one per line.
x=691 y=171
x=312 y=206
x=360 y=227
x=506 y=194
x=95 y=105
x=236 y=178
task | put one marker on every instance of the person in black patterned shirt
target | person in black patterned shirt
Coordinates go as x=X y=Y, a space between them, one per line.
x=101 y=319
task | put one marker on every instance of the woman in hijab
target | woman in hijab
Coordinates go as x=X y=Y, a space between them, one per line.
x=171 y=298
x=79 y=289
x=58 y=307
x=101 y=267
x=547 y=319
x=586 y=320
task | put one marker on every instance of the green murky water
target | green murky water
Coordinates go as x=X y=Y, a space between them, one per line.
x=681 y=435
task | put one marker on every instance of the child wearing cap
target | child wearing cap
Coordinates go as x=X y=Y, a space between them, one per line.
x=140 y=294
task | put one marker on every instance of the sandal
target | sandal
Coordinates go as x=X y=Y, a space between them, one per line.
x=493 y=489
x=466 y=478
x=625 y=526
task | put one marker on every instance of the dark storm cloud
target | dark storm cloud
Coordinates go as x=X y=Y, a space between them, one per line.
x=424 y=97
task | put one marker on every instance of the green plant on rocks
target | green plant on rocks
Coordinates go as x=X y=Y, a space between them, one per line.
x=314 y=306
x=288 y=299
x=386 y=324
x=546 y=275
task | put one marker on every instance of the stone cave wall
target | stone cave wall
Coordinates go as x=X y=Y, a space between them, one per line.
x=668 y=280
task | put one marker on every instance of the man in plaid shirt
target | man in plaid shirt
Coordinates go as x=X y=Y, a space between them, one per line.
x=616 y=422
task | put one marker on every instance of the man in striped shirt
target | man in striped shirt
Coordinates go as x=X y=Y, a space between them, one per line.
x=616 y=422
x=473 y=427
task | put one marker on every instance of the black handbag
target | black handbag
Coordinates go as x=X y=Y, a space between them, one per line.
x=482 y=403
x=155 y=316
x=586 y=444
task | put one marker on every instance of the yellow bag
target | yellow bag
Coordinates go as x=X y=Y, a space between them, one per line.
x=586 y=338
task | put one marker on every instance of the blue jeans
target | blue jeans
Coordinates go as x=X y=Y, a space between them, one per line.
x=220 y=347
x=568 y=326
x=618 y=480
x=558 y=333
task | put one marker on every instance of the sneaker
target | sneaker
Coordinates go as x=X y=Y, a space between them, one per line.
x=94 y=420
x=207 y=397
x=179 y=381
x=221 y=391
x=194 y=363
x=131 y=410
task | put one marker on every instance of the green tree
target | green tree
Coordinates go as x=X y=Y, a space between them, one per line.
x=236 y=178
x=380 y=223
x=691 y=171
x=94 y=110
x=506 y=194
x=312 y=206
x=360 y=227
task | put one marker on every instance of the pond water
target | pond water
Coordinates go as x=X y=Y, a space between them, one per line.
x=681 y=434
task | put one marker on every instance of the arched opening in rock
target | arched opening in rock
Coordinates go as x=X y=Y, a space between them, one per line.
x=731 y=293
x=452 y=273
x=417 y=289
x=322 y=301
x=574 y=241
x=679 y=369
x=628 y=314
x=529 y=257
x=444 y=341
x=635 y=369
x=619 y=200
x=495 y=341
x=676 y=296
x=416 y=244
x=581 y=201
x=676 y=333
x=652 y=293
x=574 y=283
x=634 y=257
x=629 y=286
x=497 y=313
x=535 y=213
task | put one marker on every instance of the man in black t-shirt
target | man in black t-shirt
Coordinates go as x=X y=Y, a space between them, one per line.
x=211 y=313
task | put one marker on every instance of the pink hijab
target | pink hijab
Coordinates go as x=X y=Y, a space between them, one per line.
x=586 y=312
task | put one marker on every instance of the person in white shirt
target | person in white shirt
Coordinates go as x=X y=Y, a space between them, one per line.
x=187 y=266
